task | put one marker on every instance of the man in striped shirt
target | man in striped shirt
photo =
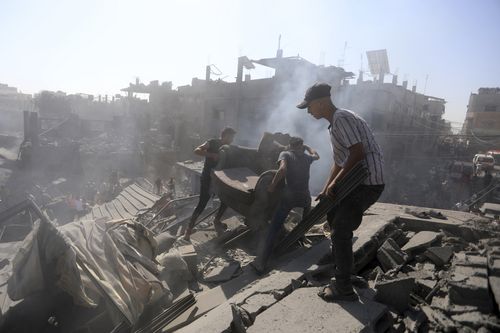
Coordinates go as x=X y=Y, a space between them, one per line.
x=352 y=142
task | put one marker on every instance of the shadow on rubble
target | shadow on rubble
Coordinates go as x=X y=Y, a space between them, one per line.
x=38 y=313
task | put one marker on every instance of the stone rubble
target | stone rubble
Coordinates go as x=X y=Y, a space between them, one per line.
x=432 y=280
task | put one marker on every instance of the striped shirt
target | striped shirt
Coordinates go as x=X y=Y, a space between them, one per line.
x=348 y=129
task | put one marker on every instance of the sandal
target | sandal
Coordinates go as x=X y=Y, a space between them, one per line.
x=437 y=215
x=330 y=293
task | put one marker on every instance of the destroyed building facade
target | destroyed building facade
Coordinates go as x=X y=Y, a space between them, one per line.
x=483 y=113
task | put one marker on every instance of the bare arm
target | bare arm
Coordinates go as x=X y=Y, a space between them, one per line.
x=203 y=151
x=312 y=152
x=333 y=173
x=278 y=177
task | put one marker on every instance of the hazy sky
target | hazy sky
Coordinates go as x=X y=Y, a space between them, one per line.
x=99 y=47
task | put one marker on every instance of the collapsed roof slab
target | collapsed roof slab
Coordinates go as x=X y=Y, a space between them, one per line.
x=303 y=311
x=367 y=238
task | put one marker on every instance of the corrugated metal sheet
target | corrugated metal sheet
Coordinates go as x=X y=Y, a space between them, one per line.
x=127 y=204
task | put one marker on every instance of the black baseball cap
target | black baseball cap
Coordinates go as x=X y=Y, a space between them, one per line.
x=318 y=90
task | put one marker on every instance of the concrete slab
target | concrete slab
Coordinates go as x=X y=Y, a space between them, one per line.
x=439 y=255
x=390 y=255
x=374 y=230
x=395 y=293
x=257 y=303
x=470 y=260
x=421 y=240
x=424 y=287
x=275 y=283
x=494 y=282
x=303 y=311
x=469 y=287
x=494 y=265
x=455 y=223
x=371 y=234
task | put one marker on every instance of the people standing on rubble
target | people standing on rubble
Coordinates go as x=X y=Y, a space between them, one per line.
x=159 y=185
x=352 y=141
x=210 y=150
x=171 y=188
x=294 y=165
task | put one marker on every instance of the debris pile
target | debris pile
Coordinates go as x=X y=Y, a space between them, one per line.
x=437 y=273
x=438 y=281
x=441 y=276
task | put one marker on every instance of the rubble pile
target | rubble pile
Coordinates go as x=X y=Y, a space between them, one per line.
x=414 y=274
x=442 y=276
x=438 y=281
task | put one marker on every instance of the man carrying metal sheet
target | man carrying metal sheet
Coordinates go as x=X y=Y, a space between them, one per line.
x=352 y=141
x=210 y=150
x=294 y=165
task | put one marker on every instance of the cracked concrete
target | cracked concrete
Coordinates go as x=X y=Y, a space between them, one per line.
x=303 y=311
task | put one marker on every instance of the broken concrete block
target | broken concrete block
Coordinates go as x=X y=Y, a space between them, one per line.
x=395 y=293
x=399 y=237
x=471 y=291
x=414 y=319
x=494 y=282
x=424 y=287
x=428 y=266
x=222 y=273
x=494 y=265
x=390 y=255
x=188 y=253
x=476 y=320
x=460 y=271
x=470 y=260
x=377 y=271
x=421 y=240
x=241 y=319
x=421 y=273
x=439 y=319
x=439 y=255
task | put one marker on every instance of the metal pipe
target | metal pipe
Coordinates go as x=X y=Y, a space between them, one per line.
x=346 y=185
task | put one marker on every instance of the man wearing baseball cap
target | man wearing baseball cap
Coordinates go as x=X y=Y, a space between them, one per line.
x=352 y=141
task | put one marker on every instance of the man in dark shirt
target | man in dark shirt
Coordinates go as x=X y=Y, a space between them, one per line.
x=210 y=150
x=294 y=165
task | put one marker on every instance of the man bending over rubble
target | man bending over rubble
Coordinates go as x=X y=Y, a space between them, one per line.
x=352 y=141
x=210 y=150
x=294 y=166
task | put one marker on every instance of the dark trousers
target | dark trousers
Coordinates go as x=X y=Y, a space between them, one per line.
x=203 y=201
x=204 y=197
x=343 y=220
x=288 y=201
